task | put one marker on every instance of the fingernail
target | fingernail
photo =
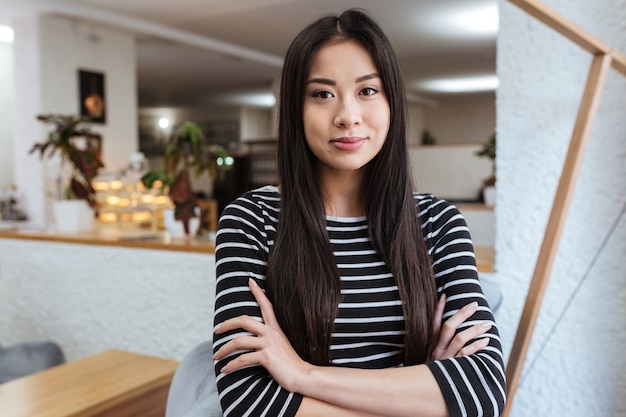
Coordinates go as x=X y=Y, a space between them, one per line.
x=484 y=341
x=252 y=283
x=486 y=325
x=217 y=327
x=473 y=306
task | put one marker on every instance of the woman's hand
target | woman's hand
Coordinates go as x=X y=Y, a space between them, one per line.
x=270 y=347
x=450 y=345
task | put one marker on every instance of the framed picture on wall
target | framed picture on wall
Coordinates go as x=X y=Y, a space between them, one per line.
x=92 y=99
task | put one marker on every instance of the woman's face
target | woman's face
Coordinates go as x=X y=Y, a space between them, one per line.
x=345 y=112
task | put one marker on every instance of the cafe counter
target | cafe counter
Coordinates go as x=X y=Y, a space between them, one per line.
x=93 y=292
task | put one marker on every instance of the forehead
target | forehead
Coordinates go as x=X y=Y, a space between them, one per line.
x=344 y=57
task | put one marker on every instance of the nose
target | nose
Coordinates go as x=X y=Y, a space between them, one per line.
x=348 y=113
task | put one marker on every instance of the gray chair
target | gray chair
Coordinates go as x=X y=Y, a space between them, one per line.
x=193 y=392
x=27 y=358
x=492 y=292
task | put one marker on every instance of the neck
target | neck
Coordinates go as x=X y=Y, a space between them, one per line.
x=344 y=195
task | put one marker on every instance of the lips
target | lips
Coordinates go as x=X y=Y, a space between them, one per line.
x=348 y=143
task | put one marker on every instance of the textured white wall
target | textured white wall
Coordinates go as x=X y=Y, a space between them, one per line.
x=6 y=100
x=581 y=372
x=92 y=298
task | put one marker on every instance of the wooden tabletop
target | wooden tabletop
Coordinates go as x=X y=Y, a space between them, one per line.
x=142 y=240
x=112 y=383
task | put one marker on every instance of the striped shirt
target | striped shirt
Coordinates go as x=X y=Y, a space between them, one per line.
x=369 y=327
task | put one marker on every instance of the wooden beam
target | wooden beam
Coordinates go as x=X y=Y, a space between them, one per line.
x=619 y=62
x=586 y=114
x=571 y=31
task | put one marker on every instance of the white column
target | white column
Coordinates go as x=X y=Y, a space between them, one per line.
x=6 y=121
x=28 y=170
x=581 y=372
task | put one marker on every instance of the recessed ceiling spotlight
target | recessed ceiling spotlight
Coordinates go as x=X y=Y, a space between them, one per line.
x=461 y=84
x=6 y=34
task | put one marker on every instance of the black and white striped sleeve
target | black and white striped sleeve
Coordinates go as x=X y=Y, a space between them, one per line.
x=241 y=253
x=472 y=385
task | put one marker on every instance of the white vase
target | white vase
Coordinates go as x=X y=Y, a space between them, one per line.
x=73 y=216
x=175 y=227
x=489 y=196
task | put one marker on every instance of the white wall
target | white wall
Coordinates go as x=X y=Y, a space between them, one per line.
x=417 y=124
x=582 y=370
x=6 y=101
x=462 y=118
x=453 y=172
x=149 y=301
x=256 y=123
x=49 y=51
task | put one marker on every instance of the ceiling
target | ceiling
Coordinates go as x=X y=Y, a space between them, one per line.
x=192 y=52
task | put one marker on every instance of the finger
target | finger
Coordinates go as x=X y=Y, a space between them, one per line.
x=473 y=348
x=267 y=310
x=239 y=343
x=240 y=322
x=449 y=328
x=441 y=305
x=462 y=338
x=463 y=314
x=241 y=361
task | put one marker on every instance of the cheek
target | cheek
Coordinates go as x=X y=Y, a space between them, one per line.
x=311 y=125
x=383 y=121
x=379 y=117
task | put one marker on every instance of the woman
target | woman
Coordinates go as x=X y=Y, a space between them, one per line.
x=352 y=260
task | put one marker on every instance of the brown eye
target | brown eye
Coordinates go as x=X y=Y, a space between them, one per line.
x=323 y=94
x=368 y=91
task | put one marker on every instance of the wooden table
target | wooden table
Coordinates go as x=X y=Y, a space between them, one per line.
x=112 y=383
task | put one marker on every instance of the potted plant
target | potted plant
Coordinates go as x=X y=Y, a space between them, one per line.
x=489 y=184
x=428 y=138
x=186 y=152
x=72 y=140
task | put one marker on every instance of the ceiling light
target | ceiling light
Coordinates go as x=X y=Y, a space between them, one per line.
x=461 y=85
x=164 y=122
x=254 y=99
x=481 y=20
x=462 y=21
x=6 y=34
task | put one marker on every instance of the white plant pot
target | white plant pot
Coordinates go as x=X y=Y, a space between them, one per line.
x=73 y=216
x=175 y=227
x=489 y=196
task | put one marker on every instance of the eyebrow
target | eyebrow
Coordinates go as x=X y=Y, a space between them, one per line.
x=328 y=81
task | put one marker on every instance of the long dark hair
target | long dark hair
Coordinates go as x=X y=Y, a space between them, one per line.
x=302 y=281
